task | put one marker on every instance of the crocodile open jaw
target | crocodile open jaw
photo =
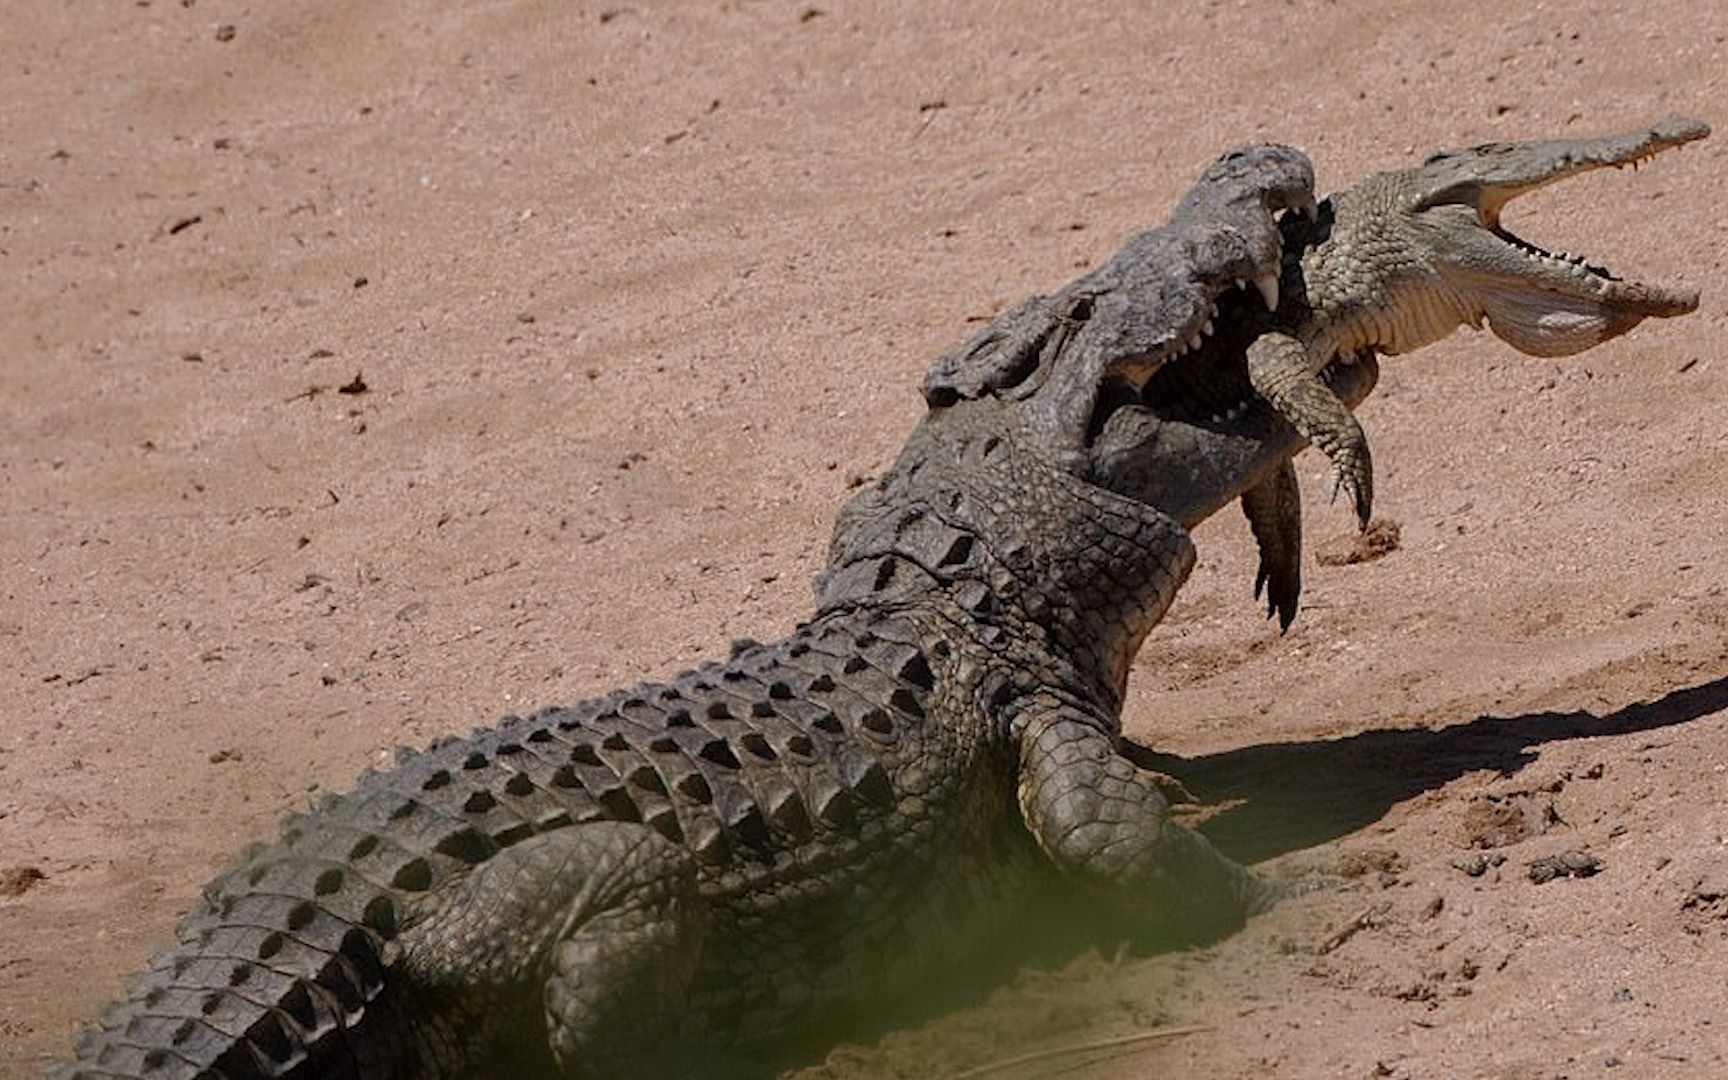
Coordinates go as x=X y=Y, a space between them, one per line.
x=1541 y=302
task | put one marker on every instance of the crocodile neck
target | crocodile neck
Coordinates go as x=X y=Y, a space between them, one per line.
x=1063 y=575
x=1363 y=283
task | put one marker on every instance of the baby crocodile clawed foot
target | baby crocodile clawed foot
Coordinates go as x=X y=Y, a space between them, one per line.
x=1353 y=475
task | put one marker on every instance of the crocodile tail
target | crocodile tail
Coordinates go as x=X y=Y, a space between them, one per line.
x=276 y=974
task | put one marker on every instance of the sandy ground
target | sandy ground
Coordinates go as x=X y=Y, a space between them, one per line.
x=370 y=370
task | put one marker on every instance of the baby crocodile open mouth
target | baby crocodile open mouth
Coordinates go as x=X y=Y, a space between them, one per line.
x=1560 y=258
x=1544 y=303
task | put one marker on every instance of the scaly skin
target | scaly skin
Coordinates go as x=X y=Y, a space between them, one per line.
x=1404 y=258
x=1388 y=265
x=623 y=887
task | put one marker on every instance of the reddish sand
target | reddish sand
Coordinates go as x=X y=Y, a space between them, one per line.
x=637 y=295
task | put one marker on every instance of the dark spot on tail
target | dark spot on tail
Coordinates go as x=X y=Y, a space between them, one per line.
x=907 y=702
x=468 y=845
x=585 y=754
x=694 y=786
x=619 y=806
x=757 y=744
x=665 y=822
x=870 y=781
x=789 y=815
x=301 y=915
x=834 y=807
x=415 y=876
x=916 y=670
x=717 y=751
x=645 y=777
x=380 y=915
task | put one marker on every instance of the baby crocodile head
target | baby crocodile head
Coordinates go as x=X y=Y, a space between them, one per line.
x=1406 y=257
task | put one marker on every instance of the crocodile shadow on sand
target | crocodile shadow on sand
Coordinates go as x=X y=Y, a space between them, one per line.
x=1294 y=795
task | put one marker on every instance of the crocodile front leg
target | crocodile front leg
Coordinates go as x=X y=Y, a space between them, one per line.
x=1274 y=509
x=1106 y=825
x=1283 y=372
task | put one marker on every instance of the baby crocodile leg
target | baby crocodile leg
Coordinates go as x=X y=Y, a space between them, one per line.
x=1283 y=372
x=1274 y=509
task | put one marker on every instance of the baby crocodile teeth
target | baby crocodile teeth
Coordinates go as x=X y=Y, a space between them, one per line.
x=1267 y=283
x=1206 y=328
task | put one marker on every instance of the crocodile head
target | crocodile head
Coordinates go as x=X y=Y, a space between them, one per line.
x=1405 y=257
x=1121 y=379
x=1052 y=481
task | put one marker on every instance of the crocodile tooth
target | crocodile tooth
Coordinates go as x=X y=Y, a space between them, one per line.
x=1268 y=286
x=1206 y=328
x=1215 y=418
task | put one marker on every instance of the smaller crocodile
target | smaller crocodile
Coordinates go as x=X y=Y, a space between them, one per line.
x=1406 y=257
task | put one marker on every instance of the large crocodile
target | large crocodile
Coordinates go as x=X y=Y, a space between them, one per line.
x=715 y=860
